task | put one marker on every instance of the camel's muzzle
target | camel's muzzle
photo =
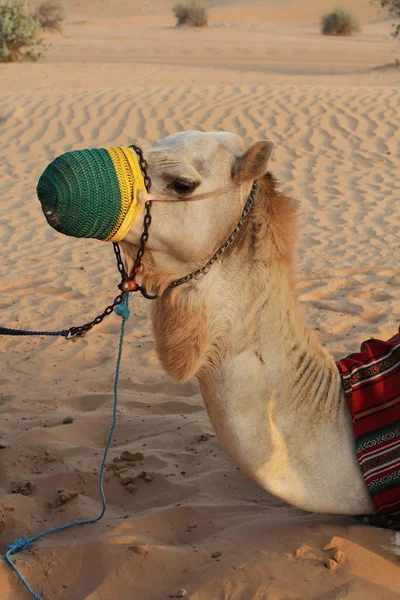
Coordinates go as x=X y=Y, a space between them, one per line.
x=92 y=193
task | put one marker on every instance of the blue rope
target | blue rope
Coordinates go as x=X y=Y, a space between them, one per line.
x=23 y=543
x=9 y=331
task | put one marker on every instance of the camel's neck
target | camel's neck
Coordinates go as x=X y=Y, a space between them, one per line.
x=246 y=304
x=273 y=394
x=263 y=349
x=265 y=330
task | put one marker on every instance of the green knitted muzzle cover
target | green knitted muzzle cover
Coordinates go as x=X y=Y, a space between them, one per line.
x=92 y=193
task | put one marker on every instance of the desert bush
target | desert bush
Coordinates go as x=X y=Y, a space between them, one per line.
x=339 y=22
x=19 y=33
x=191 y=12
x=50 y=14
x=393 y=7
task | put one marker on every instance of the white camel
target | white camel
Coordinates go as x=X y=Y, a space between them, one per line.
x=273 y=394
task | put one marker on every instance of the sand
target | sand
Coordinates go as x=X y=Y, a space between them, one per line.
x=180 y=515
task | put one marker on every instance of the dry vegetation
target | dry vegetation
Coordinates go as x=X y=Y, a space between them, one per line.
x=50 y=15
x=339 y=22
x=19 y=33
x=193 y=13
x=20 y=28
x=393 y=7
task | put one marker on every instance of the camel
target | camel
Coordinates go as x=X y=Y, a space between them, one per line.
x=273 y=394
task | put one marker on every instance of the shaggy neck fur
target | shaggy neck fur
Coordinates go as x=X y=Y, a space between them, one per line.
x=273 y=393
x=216 y=316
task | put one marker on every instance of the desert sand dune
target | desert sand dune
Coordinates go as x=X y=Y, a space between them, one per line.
x=175 y=499
x=280 y=11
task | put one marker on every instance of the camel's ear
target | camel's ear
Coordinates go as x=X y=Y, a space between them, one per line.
x=253 y=163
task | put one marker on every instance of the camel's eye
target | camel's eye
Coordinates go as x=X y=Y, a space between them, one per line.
x=183 y=186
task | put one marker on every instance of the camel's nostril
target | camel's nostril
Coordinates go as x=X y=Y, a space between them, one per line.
x=53 y=218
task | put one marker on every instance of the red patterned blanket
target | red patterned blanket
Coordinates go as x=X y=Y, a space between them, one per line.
x=371 y=381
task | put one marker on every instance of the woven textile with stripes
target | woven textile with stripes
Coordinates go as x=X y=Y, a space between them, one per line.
x=371 y=381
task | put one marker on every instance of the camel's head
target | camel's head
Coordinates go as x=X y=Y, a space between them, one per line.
x=100 y=193
x=184 y=233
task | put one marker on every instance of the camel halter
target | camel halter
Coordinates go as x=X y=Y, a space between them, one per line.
x=96 y=194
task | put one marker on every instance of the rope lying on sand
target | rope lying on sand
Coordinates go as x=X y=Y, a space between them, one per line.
x=23 y=543
x=10 y=331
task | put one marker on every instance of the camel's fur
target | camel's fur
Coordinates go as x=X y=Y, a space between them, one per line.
x=273 y=394
x=185 y=340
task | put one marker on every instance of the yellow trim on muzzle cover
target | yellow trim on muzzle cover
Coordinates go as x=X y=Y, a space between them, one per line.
x=130 y=181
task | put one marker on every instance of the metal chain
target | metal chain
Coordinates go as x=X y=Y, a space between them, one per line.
x=143 y=165
x=120 y=263
x=129 y=284
x=145 y=236
x=81 y=330
x=224 y=246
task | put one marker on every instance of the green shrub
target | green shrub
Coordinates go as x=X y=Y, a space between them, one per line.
x=50 y=14
x=191 y=12
x=19 y=33
x=339 y=22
